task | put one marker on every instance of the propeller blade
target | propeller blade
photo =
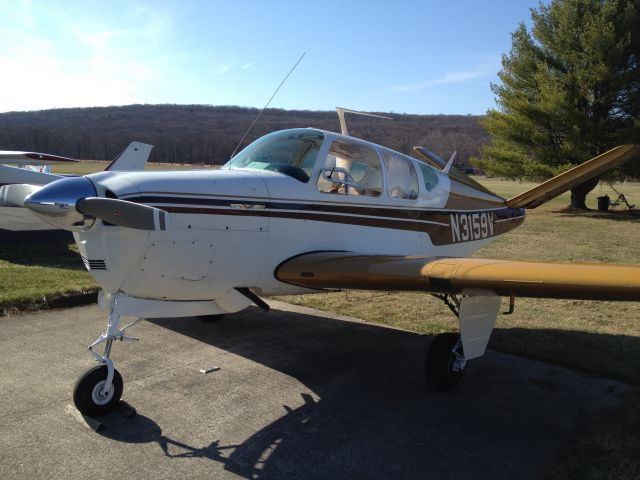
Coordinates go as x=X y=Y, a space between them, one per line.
x=16 y=193
x=123 y=213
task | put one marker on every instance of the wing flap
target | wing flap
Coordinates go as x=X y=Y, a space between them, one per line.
x=453 y=275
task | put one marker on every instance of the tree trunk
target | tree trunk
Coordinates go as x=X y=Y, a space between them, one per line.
x=579 y=193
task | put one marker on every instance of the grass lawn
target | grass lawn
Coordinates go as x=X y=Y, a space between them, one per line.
x=596 y=337
x=33 y=277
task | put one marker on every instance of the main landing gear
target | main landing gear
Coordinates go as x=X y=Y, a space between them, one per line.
x=99 y=389
x=449 y=353
x=445 y=363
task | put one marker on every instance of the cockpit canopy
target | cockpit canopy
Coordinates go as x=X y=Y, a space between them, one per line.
x=348 y=166
x=292 y=152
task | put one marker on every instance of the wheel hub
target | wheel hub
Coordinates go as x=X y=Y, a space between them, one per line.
x=99 y=395
x=458 y=361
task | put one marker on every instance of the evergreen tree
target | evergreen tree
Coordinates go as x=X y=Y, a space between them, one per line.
x=570 y=90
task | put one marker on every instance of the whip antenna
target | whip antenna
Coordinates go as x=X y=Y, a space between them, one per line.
x=265 y=107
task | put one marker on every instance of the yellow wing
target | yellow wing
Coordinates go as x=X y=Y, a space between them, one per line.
x=453 y=275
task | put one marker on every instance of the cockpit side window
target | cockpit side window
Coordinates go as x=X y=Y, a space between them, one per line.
x=351 y=168
x=402 y=180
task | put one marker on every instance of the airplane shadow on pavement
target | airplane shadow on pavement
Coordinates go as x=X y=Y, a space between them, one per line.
x=368 y=412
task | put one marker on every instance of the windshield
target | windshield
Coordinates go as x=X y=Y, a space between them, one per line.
x=291 y=152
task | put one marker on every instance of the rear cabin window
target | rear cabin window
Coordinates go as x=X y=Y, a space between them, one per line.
x=351 y=169
x=429 y=176
x=402 y=180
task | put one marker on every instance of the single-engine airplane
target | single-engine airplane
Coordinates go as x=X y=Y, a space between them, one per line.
x=301 y=211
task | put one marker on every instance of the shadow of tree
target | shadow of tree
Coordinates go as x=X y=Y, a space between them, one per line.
x=616 y=215
x=11 y=237
x=47 y=252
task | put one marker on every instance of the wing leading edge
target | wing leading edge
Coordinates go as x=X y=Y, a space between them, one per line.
x=453 y=275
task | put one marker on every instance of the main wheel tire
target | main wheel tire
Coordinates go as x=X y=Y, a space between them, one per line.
x=88 y=395
x=439 y=363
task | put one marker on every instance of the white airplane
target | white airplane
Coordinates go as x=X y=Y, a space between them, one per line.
x=31 y=169
x=301 y=211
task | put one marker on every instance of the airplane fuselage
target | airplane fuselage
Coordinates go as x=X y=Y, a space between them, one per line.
x=232 y=227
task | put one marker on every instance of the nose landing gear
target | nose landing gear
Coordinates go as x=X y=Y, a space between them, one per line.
x=99 y=389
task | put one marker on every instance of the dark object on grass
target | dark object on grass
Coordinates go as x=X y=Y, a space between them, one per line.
x=603 y=203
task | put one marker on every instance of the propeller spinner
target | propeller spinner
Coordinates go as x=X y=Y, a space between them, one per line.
x=72 y=204
x=56 y=203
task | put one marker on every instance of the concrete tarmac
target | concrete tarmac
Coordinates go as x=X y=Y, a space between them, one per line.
x=299 y=394
x=20 y=225
x=19 y=219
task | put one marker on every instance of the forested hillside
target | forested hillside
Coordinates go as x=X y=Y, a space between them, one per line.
x=207 y=134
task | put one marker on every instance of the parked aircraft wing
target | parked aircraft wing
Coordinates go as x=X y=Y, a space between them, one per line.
x=33 y=158
x=453 y=275
x=10 y=175
x=565 y=181
x=14 y=195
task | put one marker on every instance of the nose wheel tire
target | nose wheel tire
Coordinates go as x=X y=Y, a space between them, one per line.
x=90 y=396
x=444 y=365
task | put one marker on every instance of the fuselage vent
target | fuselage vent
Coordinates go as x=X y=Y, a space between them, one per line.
x=90 y=264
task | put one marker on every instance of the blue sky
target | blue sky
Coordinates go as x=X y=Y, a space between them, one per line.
x=424 y=57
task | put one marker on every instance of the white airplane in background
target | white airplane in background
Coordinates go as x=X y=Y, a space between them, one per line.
x=301 y=211
x=31 y=170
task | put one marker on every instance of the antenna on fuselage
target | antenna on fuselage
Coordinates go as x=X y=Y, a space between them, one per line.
x=267 y=104
x=343 y=124
x=450 y=162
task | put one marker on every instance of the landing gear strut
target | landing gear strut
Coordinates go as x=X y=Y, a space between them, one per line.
x=99 y=389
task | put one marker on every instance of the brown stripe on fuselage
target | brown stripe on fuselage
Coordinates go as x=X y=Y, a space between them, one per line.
x=460 y=201
x=504 y=219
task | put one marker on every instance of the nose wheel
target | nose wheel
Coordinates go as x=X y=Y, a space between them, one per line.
x=92 y=396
